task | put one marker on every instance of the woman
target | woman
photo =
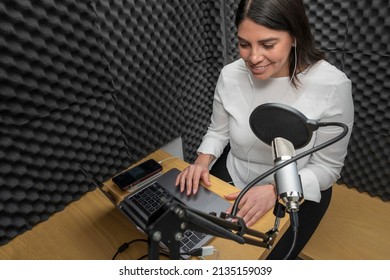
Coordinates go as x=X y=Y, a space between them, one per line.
x=279 y=63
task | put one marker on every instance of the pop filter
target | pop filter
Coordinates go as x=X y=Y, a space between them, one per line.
x=271 y=120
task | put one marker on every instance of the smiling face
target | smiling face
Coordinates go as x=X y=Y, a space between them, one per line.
x=265 y=51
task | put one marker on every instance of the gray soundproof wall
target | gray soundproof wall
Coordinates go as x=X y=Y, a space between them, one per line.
x=101 y=84
x=96 y=84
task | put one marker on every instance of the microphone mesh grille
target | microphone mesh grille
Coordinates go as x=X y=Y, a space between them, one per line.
x=282 y=147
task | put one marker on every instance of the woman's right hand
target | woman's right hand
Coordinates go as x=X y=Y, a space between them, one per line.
x=188 y=180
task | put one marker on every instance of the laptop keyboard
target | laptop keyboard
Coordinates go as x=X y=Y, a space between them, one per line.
x=190 y=239
x=149 y=201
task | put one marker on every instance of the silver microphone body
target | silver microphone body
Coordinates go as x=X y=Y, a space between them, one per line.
x=287 y=180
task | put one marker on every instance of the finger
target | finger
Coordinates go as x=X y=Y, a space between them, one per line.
x=229 y=210
x=206 y=179
x=235 y=207
x=242 y=212
x=254 y=219
x=196 y=181
x=189 y=179
x=244 y=207
x=183 y=177
x=178 y=179
x=232 y=196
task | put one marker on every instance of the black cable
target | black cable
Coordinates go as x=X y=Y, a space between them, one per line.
x=297 y=157
x=293 y=214
x=126 y=245
x=294 y=225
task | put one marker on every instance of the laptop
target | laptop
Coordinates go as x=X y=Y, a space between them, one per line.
x=141 y=204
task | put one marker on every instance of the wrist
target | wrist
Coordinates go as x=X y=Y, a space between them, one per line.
x=204 y=159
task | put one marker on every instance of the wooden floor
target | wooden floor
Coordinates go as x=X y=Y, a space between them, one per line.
x=356 y=227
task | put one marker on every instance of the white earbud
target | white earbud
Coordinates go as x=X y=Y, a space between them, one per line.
x=295 y=43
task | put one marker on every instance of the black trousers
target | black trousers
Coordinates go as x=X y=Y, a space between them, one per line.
x=310 y=215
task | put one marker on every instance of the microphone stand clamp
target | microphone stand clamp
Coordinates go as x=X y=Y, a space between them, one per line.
x=169 y=223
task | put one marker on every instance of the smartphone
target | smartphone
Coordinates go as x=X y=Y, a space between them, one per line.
x=137 y=174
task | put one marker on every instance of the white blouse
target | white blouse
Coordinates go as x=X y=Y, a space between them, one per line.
x=324 y=94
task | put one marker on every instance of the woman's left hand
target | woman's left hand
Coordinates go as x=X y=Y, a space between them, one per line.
x=255 y=203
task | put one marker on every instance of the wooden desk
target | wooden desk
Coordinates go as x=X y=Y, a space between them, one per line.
x=92 y=229
x=355 y=227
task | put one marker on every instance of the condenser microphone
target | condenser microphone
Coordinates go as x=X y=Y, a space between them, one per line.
x=273 y=120
x=287 y=180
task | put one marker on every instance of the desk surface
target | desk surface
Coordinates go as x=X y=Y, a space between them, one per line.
x=93 y=229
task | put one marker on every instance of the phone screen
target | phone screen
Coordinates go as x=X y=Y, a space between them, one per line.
x=137 y=174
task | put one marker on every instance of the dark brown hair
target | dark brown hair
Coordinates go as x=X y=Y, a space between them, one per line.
x=289 y=16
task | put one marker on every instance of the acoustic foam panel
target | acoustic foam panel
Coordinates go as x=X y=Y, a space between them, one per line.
x=369 y=27
x=231 y=43
x=103 y=84
x=367 y=163
x=168 y=60
x=367 y=63
x=39 y=166
x=96 y=84
x=56 y=109
x=328 y=21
